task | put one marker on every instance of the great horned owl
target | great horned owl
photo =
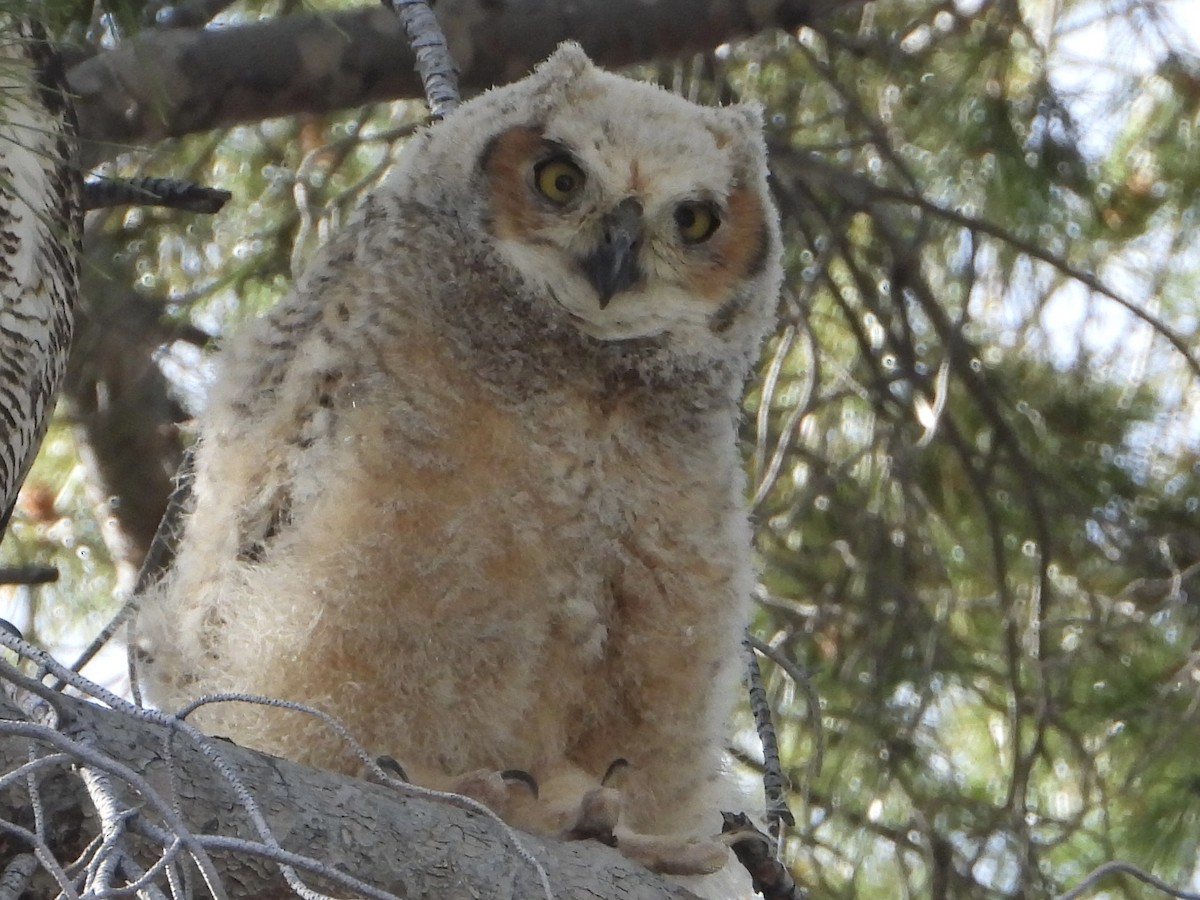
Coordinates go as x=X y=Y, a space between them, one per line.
x=473 y=487
x=40 y=226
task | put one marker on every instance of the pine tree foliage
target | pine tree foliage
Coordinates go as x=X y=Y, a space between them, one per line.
x=973 y=445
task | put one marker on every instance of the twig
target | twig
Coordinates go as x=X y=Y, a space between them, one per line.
x=771 y=878
x=142 y=884
x=128 y=608
x=158 y=559
x=106 y=862
x=44 y=856
x=1110 y=868
x=204 y=744
x=804 y=683
x=35 y=795
x=861 y=192
x=165 y=542
x=31 y=574
x=378 y=771
x=1029 y=248
x=34 y=766
x=172 y=193
x=208 y=748
x=435 y=65
x=93 y=758
x=16 y=876
x=774 y=784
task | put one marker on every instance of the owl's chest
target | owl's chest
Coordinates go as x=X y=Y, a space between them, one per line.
x=612 y=466
x=566 y=489
x=554 y=530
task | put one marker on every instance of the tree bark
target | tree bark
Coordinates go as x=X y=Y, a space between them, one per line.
x=173 y=82
x=120 y=401
x=411 y=846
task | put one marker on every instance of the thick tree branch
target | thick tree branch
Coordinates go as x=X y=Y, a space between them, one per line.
x=173 y=82
x=408 y=846
x=120 y=400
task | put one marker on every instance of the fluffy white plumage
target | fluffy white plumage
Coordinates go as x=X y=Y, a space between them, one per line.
x=473 y=487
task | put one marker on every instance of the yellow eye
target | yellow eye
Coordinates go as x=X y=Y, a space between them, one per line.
x=558 y=179
x=696 y=221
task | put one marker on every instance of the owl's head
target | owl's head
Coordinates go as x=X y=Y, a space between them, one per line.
x=638 y=217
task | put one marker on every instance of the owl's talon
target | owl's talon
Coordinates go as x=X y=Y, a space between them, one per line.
x=520 y=775
x=504 y=793
x=616 y=767
x=392 y=767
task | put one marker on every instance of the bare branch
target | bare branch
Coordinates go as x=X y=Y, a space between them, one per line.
x=774 y=784
x=439 y=74
x=804 y=683
x=173 y=82
x=753 y=850
x=31 y=574
x=398 y=844
x=157 y=560
x=16 y=876
x=168 y=192
x=1110 y=868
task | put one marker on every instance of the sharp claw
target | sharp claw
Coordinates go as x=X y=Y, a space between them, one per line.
x=389 y=764
x=615 y=767
x=522 y=776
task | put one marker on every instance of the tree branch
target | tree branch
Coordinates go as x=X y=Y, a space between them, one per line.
x=403 y=845
x=172 y=82
x=120 y=400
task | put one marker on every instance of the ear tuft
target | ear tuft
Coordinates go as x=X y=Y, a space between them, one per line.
x=567 y=62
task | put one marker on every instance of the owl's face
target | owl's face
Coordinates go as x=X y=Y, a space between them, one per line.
x=635 y=226
x=637 y=221
x=627 y=211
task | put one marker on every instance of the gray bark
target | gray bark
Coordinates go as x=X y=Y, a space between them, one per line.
x=173 y=82
x=413 y=847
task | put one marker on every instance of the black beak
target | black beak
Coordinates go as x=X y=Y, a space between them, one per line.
x=612 y=267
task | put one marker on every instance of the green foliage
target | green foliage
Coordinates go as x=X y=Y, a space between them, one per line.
x=973 y=448
x=977 y=527
x=61 y=519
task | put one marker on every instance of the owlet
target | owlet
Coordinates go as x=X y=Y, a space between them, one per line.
x=473 y=487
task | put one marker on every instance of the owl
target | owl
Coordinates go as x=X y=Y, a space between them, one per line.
x=473 y=486
x=40 y=226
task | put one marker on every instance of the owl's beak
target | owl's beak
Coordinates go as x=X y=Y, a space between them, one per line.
x=612 y=266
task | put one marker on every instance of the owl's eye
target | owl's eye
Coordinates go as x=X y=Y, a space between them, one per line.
x=558 y=179
x=696 y=220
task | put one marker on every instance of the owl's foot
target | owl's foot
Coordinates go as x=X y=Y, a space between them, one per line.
x=673 y=854
x=569 y=804
x=390 y=765
x=596 y=819
x=505 y=793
